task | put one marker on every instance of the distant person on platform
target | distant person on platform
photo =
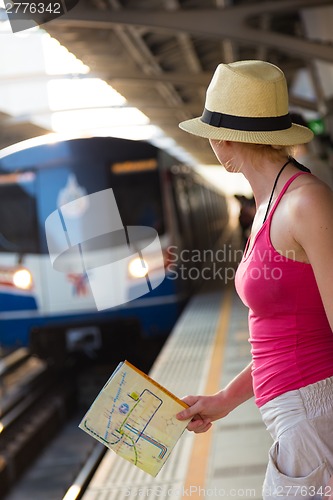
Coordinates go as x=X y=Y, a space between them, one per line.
x=247 y=212
x=306 y=155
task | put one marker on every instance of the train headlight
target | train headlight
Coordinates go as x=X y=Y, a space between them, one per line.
x=138 y=268
x=22 y=279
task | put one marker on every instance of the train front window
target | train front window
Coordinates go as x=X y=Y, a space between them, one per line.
x=138 y=196
x=18 y=219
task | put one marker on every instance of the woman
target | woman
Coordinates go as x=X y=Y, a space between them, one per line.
x=285 y=278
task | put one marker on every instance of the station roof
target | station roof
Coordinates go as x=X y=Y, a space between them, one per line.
x=160 y=54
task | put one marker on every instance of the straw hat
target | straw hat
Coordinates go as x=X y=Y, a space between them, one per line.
x=247 y=101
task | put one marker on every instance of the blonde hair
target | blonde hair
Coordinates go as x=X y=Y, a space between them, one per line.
x=257 y=152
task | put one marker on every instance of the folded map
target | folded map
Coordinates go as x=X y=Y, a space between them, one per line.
x=135 y=417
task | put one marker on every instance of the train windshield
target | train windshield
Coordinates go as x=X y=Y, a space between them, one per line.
x=18 y=217
x=28 y=197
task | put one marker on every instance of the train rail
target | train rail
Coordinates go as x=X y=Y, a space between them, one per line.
x=45 y=417
x=19 y=372
x=34 y=404
x=43 y=453
x=69 y=459
x=80 y=483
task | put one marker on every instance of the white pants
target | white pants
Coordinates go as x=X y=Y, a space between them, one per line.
x=301 y=458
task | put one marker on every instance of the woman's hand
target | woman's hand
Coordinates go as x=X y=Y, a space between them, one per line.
x=203 y=410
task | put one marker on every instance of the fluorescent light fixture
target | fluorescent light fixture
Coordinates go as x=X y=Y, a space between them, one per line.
x=85 y=93
x=86 y=119
x=58 y=59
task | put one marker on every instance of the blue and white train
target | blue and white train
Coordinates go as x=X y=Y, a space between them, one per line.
x=151 y=189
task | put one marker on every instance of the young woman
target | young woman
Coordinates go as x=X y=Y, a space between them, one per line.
x=285 y=278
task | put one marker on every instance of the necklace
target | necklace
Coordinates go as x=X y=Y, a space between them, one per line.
x=274 y=186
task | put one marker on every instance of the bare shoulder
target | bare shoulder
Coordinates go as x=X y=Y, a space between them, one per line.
x=310 y=211
x=305 y=217
x=310 y=198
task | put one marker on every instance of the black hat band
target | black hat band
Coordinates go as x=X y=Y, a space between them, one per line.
x=253 y=124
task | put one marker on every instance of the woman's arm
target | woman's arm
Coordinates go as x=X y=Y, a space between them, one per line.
x=205 y=409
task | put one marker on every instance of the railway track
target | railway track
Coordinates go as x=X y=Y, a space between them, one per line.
x=57 y=404
x=34 y=404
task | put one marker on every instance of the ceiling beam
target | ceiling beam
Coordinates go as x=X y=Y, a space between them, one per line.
x=175 y=78
x=229 y=22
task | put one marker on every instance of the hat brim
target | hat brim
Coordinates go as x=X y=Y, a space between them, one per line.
x=296 y=134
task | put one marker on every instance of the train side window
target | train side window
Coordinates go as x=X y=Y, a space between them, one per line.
x=139 y=199
x=197 y=215
x=182 y=209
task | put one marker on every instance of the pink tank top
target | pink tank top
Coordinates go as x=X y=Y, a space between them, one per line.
x=290 y=336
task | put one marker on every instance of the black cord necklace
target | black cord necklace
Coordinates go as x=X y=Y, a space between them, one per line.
x=274 y=186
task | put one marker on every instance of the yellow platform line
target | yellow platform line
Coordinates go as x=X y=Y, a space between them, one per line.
x=197 y=471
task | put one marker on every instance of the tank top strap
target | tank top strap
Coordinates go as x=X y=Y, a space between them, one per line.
x=283 y=190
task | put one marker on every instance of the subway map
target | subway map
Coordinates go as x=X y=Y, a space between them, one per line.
x=135 y=417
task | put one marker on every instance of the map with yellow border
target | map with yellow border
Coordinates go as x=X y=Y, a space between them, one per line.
x=135 y=417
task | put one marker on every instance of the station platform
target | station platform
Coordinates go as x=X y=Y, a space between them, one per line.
x=206 y=349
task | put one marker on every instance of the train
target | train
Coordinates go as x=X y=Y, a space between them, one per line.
x=93 y=236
